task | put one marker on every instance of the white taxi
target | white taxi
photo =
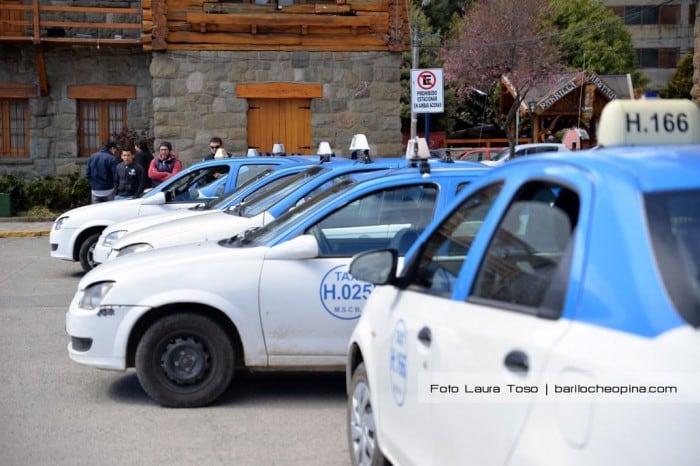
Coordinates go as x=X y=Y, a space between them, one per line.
x=549 y=316
x=74 y=233
x=276 y=297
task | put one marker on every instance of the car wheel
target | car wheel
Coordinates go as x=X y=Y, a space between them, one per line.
x=362 y=434
x=86 y=253
x=185 y=360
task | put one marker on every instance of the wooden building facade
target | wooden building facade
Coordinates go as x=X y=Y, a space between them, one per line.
x=253 y=72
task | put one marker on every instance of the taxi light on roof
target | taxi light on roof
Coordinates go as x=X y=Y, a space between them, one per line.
x=419 y=152
x=649 y=122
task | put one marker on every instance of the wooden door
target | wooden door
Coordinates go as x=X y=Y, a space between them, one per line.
x=280 y=120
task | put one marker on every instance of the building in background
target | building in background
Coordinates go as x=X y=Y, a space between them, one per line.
x=663 y=32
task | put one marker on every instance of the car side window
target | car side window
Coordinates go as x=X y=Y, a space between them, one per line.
x=443 y=254
x=249 y=171
x=531 y=241
x=198 y=185
x=391 y=218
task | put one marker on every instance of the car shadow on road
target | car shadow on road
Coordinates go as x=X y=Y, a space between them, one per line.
x=251 y=388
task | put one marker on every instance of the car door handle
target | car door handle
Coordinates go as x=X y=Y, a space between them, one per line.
x=517 y=361
x=425 y=336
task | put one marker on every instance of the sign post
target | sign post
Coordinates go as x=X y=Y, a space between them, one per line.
x=427 y=93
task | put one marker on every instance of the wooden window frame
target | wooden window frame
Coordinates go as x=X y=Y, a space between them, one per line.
x=8 y=143
x=104 y=98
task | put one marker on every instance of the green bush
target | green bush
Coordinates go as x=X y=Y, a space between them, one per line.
x=46 y=193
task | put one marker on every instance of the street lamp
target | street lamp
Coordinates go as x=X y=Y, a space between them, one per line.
x=532 y=107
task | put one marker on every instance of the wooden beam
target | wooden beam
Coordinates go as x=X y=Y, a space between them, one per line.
x=18 y=91
x=279 y=91
x=101 y=92
x=231 y=39
x=41 y=70
x=272 y=19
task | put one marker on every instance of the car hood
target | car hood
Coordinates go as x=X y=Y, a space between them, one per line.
x=172 y=268
x=145 y=221
x=210 y=226
x=108 y=212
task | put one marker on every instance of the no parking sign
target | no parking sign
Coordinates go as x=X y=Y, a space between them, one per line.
x=427 y=91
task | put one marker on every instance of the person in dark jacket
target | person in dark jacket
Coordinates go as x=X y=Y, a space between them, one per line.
x=164 y=165
x=143 y=156
x=100 y=173
x=129 y=177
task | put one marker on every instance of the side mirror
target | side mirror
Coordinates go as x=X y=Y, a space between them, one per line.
x=377 y=267
x=301 y=247
x=156 y=199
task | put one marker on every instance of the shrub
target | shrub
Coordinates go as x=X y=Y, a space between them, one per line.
x=46 y=193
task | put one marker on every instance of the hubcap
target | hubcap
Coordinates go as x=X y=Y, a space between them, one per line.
x=185 y=360
x=362 y=425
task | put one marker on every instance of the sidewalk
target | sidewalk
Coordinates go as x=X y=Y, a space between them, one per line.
x=13 y=227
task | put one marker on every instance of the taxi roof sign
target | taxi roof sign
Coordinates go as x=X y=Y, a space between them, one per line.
x=649 y=122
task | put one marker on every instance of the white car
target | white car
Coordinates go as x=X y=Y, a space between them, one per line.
x=279 y=297
x=549 y=316
x=75 y=233
x=524 y=150
x=255 y=210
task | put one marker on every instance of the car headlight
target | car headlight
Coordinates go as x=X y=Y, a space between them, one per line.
x=59 y=223
x=138 y=247
x=113 y=237
x=93 y=295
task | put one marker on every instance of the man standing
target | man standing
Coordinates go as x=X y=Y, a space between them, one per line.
x=215 y=143
x=100 y=173
x=129 y=177
x=164 y=165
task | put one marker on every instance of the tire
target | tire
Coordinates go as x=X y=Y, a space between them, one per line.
x=185 y=360
x=362 y=435
x=87 y=262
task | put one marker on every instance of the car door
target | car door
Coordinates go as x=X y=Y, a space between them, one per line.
x=493 y=347
x=308 y=308
x=402 y=351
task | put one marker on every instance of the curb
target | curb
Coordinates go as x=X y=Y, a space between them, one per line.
x=22 y=234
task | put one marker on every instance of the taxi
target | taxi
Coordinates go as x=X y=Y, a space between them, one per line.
x=266 y=181
x=549 y=315
x=235 y=213
x=274 y=297
x=74 y=233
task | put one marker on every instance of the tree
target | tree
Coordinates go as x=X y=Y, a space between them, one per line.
x=592 y=37
x=496 y=38
x=681 y=84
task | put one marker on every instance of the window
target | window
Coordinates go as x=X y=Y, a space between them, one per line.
x=14 y=127
x=647 y=15
x=443 y=254
x=530 y=242
x=391 y=218
x=658 y=58
x=98 y=121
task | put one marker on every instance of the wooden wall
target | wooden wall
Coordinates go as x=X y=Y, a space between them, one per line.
x=213 y=25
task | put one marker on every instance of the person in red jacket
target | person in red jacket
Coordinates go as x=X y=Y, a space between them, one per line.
x=164 y=165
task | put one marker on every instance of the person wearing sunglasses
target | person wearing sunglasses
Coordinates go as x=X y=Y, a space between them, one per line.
x=216 y=149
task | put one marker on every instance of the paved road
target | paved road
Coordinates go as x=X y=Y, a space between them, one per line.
x=56 y=412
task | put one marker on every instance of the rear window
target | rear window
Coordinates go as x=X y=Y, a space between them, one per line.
x=674 y=222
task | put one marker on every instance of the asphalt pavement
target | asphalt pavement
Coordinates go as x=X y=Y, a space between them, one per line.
x=15 y=227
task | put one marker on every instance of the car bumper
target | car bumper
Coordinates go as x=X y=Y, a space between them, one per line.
x=61 y=242
x=101 y=253
x=99 y=338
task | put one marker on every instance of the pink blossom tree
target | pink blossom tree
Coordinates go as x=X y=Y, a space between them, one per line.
x=496 y=39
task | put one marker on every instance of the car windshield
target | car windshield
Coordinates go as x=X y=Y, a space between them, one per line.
x=500 y=155
x=674 y=223
x=259 y=202
x=262 y=235
x=225 y=200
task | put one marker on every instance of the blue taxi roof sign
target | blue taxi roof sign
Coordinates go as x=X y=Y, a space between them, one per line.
x=650 y=122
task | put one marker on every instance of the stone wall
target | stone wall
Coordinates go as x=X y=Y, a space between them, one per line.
x=53 y=118
x=194 y=97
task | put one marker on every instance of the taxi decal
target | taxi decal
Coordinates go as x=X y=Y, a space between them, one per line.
x=398 y=363
x=343 y=296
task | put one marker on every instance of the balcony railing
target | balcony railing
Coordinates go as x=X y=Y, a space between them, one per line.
x=36 y=21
